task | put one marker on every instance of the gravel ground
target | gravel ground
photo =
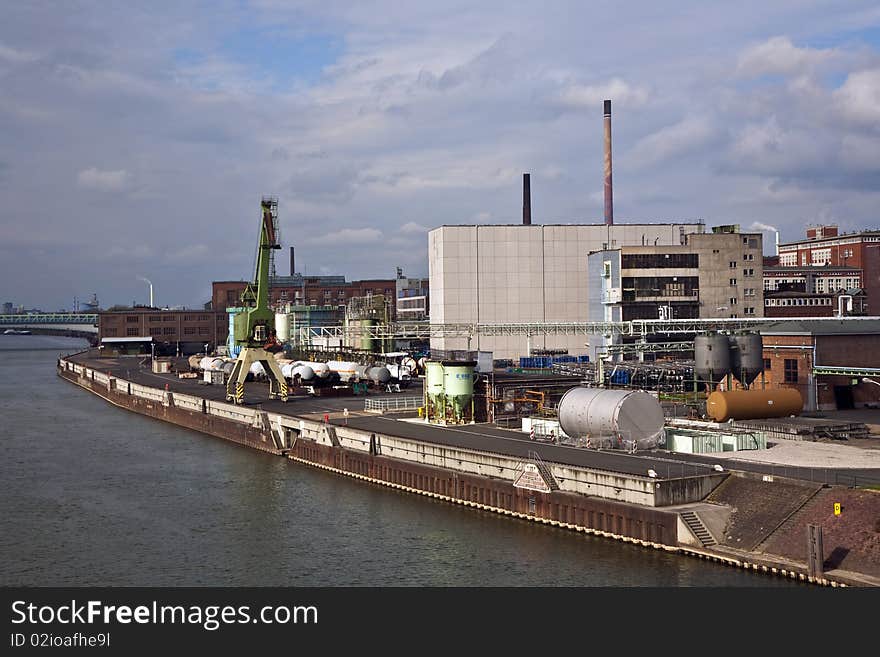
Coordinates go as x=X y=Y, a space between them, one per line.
x=813 y=455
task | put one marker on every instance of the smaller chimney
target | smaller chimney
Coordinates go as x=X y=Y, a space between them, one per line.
x=527 y=200
x=292 y=268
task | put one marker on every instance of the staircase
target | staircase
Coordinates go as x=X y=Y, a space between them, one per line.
x=546 y=474
x=692 y=520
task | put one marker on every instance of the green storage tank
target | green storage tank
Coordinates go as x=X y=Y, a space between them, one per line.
x=458 y=389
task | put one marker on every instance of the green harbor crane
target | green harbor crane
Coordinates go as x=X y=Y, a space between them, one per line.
x=254 y=327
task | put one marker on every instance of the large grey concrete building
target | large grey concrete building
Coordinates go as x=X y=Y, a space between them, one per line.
x=524 y=274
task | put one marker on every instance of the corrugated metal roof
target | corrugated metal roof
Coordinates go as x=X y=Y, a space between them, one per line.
x=147 y=338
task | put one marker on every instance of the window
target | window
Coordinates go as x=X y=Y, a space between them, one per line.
x=791 y=370
x=326 y=294
x=189 y=318
x=749 y=310
x=169 y=330
x=132 y=330
x=767 y=366
x=189 y=330
x=203 y=318
x=748 y=256
x=732 y=301
x=749 y=292
x=132 y=319
x=733 y=264
x=733 y=281
x=748 y=272
x=167 y=318
x=746 y=241
x=155 y=318
x=204 y=330
x=156 y=331
x=110 y=332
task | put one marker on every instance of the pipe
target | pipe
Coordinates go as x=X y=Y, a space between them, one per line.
x=609 y=201
x=292 y=268
x=527 y=200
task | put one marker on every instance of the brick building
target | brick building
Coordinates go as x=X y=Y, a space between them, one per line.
x=825 y=361
x=171 y=331
x=298 y=290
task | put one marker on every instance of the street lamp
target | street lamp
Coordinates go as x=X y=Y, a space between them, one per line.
x=147 y=281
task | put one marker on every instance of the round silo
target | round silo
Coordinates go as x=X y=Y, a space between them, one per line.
x=746 y=356
x=364 y=340
x=282 y=327
x=458 y=387
x=712 y=357
x=434 y=406
x=630 y=415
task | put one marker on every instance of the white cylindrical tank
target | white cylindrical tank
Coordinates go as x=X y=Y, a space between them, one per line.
x=227 y=366
x=306 y=373
x=282 y=327
x=631 y=415
x=346 y=370
x=379 y=375
x=257 y=369
x=319 y=369
x=205 y=363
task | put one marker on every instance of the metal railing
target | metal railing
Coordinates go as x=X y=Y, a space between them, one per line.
x=393 y=404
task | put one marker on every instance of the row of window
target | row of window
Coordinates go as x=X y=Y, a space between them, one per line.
x=797 y=302
x=134 y=319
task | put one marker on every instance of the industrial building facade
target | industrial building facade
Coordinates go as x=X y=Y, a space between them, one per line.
x=713 y=275
x=315 y=292
x=833 y=366
x=184 y=331
x=526 y=274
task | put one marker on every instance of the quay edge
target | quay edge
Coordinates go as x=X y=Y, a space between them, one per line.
x=309 y=442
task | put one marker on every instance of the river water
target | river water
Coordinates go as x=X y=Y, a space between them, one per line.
x=92 y=495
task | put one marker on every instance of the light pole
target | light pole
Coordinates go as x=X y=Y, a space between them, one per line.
x=147 y=281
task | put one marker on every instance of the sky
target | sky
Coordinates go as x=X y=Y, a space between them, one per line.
x=137 y=139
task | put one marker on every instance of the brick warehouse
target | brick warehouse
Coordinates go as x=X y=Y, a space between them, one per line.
x=172 y=331
x=793 y=352
x=297 y=290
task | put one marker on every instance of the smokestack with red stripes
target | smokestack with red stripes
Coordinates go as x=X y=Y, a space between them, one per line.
x=527 y=200
x=609 y=201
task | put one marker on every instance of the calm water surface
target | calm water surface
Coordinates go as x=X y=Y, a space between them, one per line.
x=95 y=495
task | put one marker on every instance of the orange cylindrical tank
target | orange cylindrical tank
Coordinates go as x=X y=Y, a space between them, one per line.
x=753 y=404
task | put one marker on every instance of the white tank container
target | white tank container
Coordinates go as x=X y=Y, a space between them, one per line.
x=205 y=363
x=631 y=415
x=346 y=370
x=257 y=369
x=379 y=375
x=320 y=369
x=306 y=373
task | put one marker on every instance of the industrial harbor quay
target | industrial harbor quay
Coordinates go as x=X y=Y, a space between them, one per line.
x=745 y=514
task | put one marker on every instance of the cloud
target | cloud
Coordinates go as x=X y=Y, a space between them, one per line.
x=682 y=137
x=103 y=181
x=348 y=236
x=412 y=228
x=858 y=99
x=779 y=56
x=580 y=96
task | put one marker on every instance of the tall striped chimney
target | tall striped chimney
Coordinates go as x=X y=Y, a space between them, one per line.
x=527 y=200
x=609 y=201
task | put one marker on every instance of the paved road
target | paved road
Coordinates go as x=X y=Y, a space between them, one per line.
x=482 y=437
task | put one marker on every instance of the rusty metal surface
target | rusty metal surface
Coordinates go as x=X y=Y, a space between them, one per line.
x=609 y=201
